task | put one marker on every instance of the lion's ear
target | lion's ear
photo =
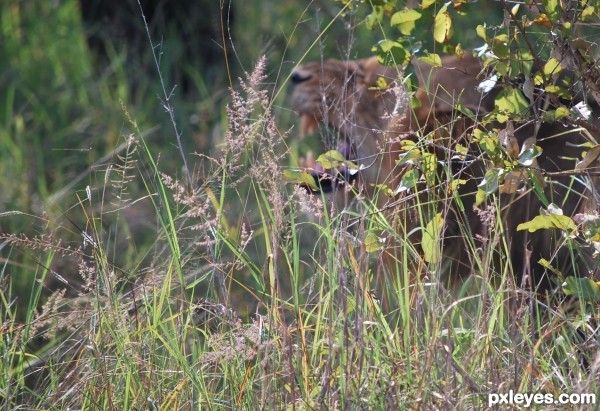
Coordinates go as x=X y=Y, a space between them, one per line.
x=373 y=71
x=370 y=67
x=355 y=69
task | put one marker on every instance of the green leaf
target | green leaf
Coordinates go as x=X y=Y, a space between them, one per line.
x=548 y=221
x=443 y=29
x=489 y=184
x=500 y=46
x=372 y=243
x=391 y=52
x=429 y=167
x=381 y=83
x=375 y=18
x=588 y=11
x=551 y=7
x=405 y=20
x=481 y=32
x=528 y=154
x=480 y=197
x=430 y=242
x=546 y=264
x=432 y=59
x=501 y=118
x=301 y=177
x=411 y=155
x=427 y=3
x=385 y=188
x=409 y=180
x=561 y=92
x=585 y=289
x=455 y=184
x=510 y=100
x=331 y=159
x=554 y=115
x=503 y=68
x=350 y=305
x=552 y=67
x=465 y=110
x=460 y=152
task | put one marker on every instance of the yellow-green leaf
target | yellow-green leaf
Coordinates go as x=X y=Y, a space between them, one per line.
x=411 y=154
x=480 y=197
x=385 y=188
x=546 y=264
x=391 y=51
x=511 y=100
x=409 y=180
x=481 y=32
x=554 y=115
x=429 y=167
x=381 y=83
x=588 y=11
x=548 y=221
x=430 y=242
x=552 y=67
x=331 y=159
x=455 y=184
x=443 y=29
x=551 y=7
x=372 y=243
x=301 y=177
x=432 y=59
x=427 y=3
x=405 y=20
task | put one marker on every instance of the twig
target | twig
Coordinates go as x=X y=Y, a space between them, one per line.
x=166 y=102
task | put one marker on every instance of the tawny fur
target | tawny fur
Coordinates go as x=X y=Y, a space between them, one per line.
x=344 y=95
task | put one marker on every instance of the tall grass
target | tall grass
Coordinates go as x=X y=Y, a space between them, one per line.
x=253 y=294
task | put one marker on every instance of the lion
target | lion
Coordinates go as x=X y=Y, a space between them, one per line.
x=368 y=108
x=342 y=95
x=346 y=97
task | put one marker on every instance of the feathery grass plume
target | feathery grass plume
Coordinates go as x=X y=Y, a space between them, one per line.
x=42 y=242
x=49 y=317
x=241 y=342
x=123 y=168
x=309 y=204
x=245 y=118
x=197 y=207
x=87 y=271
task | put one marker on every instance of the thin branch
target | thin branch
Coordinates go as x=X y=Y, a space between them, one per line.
x=166 y=102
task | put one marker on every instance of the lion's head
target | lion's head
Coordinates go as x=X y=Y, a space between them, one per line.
x=353 y=100
x=343 y=95
x=358 y=99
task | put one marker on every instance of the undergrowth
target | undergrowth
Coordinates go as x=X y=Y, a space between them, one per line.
x=233 y=307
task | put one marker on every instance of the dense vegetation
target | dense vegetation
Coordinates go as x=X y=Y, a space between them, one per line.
x=153 y=256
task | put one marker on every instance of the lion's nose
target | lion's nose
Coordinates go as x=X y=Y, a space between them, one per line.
x=298 y=77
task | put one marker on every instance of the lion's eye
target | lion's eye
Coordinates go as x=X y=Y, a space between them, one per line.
x=298 y=77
